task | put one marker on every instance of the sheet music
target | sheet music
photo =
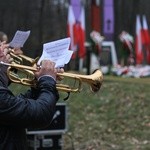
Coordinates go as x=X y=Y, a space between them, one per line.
x=19 y=39
x=57 y=51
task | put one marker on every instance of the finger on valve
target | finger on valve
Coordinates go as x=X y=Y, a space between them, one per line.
x=58 y=77
x=18 y=51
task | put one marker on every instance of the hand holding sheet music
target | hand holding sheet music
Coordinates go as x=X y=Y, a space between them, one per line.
x=57 y=51
x=19 y=39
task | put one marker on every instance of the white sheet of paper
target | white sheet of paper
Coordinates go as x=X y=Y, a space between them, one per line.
x=57 y=51
x=19 y=39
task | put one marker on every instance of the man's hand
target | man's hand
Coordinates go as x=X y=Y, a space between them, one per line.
x=4 y=53
x=59 y=70
x=17 y=51
x=47 y=68
x=3 y=46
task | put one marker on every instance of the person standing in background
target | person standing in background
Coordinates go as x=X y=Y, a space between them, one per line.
x=3 y=36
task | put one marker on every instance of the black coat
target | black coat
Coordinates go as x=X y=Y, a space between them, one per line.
x=34 y=109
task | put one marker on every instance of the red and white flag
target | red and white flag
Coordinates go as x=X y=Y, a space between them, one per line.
x=70 y=23
x=138 y=42
x=76 y=30
x=146 y=39
x=79 y=32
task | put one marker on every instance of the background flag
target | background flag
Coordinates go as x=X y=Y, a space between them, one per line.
x=138 y=42
x=96 y=15
x=70 y=23
x=76 y=28
x=146 y=39
x=108 y=19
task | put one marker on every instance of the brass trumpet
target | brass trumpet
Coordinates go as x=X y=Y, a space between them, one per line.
x=94 y=80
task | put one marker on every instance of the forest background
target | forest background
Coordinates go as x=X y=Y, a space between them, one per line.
x=47 y=19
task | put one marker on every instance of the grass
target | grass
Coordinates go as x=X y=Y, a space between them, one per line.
x=115 y=118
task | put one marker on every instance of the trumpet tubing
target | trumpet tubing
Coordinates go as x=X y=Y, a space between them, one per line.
x=21 y=59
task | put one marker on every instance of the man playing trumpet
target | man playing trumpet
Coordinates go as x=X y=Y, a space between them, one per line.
x=33 y=109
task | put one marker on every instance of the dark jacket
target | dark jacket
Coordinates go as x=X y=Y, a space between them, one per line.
x=34 y=109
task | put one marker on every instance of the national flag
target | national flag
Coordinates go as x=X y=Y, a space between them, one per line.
x=145 y=32
x=146 y=38
x=81 y=33
x=76 y=27
x=70 y=23
x=138 y=42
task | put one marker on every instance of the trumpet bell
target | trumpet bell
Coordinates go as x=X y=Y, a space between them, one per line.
x=94 y=80
x=97 y=78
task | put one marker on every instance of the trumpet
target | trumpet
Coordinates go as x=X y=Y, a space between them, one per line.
x=94 y=80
